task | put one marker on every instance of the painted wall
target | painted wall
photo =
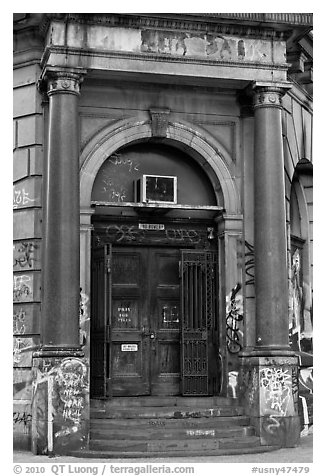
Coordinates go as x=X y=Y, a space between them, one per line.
x=27 y=245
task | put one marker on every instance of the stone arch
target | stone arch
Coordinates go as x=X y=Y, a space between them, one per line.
x=212 y=157
x=301 y=221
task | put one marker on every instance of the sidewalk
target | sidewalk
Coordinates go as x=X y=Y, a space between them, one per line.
x=303 y=453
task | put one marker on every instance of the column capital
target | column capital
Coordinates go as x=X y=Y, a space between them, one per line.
x=62 y=81
x=269 y=94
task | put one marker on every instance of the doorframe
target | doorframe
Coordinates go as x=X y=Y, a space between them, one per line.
x=216 y=163
x=199 y=228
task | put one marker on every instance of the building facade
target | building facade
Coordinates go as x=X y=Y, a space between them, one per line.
x=162 y=217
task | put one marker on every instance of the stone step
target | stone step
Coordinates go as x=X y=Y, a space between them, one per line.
x=180 y=445
x=157 y=423
x=169 y=433
x=102 y=454
x=166 y=412
x=169 y=426
x=149 y=401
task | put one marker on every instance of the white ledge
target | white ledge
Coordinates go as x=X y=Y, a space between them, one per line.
x=157 y=205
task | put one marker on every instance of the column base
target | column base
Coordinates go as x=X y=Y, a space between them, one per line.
x=283 y=432
x=60 y=408
x=269 y=392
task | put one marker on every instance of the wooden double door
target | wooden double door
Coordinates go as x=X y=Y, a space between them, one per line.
x=152 y=321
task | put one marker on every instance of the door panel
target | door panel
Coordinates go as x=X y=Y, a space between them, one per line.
x=153 y=342
x=165 y=321
x=129 y=366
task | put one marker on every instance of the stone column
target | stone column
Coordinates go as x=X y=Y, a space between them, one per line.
x=269 y=222
x=60 y=406
x=60 y=303
x=269 y=379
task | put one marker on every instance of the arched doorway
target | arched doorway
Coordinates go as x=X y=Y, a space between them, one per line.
x=154 y=275
x=206 y=190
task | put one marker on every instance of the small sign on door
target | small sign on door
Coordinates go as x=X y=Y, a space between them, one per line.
x=129 y=347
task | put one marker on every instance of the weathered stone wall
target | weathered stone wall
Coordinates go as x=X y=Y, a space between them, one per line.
x=27 y=247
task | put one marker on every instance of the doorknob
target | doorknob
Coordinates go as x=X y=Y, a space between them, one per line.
x=146 y=333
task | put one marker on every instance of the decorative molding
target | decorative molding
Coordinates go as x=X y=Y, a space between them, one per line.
x=157 y=57
x=242 y=24
x=269 y=95
x=63 y=82
x=160 y=121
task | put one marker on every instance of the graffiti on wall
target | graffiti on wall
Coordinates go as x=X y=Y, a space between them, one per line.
x=121 y=233
x=24 y=255
x=71 y=381
x=21 y=198
x=191 y=236
x=300 y=325
x=113 y=183
x=19 y=318
x=61 y=392
x=249 y=264
x=132 y=233
x=83 y=317
x=233 y=382
x=22 y=351
x=234 y=316
x=22 y=418
x=22 y=288
x=305 y=383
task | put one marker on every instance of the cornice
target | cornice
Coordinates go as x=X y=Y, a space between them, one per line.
x=157 y=57
x=178 y=22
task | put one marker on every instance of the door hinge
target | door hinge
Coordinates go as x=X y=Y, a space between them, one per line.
x=108 y=264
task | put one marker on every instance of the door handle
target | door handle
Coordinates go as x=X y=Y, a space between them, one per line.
x=146 y=333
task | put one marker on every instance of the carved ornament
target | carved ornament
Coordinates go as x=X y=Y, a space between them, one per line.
x=160 y=120
x=269 y=96
x=63 y=82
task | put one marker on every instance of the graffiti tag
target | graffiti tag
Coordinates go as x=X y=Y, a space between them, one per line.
x=21 y=287
x=249 y=264
x=24 y=418
x=182 y=235
x=21 y=198
x=19 y=322
x=233 y=317
x=24 y=254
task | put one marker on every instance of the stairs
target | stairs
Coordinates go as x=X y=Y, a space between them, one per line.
x=169 y=426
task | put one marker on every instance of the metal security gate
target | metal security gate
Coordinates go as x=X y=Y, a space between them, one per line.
x=101 y=285
x=198 y=309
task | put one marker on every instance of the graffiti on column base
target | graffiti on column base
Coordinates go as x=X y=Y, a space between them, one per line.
x=234 y=315
x=71 y=380
x=61 y=389
x=276 y=385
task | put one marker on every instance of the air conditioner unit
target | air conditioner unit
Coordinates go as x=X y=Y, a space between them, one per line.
x=156 y=189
